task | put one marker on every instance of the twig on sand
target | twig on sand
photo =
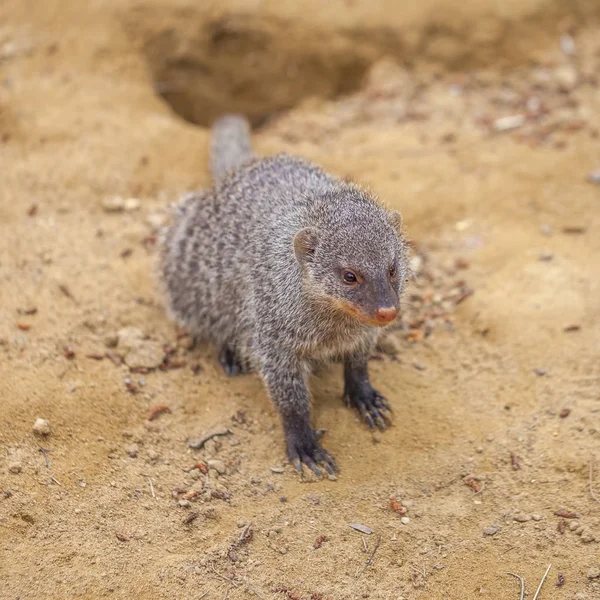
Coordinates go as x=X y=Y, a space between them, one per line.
x=370 y=559
x=45 y=452
x=522 y=584
x=542 y=582
x=151 y=486
x=592 y=492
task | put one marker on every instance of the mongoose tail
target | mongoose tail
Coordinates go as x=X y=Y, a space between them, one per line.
x=230 y=145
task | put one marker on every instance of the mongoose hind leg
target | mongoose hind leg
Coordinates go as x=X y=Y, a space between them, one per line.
x=231 y=362
x=360 y=394
x=285 y=378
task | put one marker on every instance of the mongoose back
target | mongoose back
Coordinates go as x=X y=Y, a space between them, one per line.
x=283 y=266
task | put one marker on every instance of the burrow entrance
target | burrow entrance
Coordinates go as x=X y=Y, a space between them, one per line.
x=204 y=65
x=251 y=66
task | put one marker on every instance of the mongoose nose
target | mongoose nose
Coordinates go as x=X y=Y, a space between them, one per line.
x=386 y=315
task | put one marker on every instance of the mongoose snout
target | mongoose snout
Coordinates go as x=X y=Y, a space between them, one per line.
x=281 y=265
x=386 y=315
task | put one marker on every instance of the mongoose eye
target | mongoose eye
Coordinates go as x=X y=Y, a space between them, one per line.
x=393 y=271
x=350 y=277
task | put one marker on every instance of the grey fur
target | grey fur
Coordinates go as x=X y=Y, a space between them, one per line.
x=256 y=265
x=230 y=145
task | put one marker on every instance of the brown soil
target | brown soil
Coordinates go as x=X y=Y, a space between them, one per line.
x=480 y=439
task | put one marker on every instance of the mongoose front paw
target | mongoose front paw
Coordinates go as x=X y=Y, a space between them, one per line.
x=371 y=405
x=303 y=448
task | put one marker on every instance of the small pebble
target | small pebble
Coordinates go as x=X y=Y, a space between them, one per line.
x=508 y=123
x=111 y=340
x=546 y=229
x=184 y=503
x=219 y=487
x=539 y=371
x=131 y=204
x=15 y=467
x=405 y=520
x=566 y=77
x=242 y=523
x=41 y=427
x=132 y=450
x=536 y=517
x=217 y=465
x=567 y=45
x=546 y=256
x=479 y=449
x=521 y=518
x=491 y=530
x=587 y=536
x=416 y=264
x=278 y=469
x=594 y=573
x=573 y=525
x=114 y=204
x=594 y=177
x=156 y=220
x=362 y=528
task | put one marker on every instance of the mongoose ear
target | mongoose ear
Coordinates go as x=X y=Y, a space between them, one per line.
x=305 y=244
x=395 y=219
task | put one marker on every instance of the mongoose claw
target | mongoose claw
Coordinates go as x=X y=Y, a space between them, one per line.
x=372 y=406
x=304 y=450
x=383 y=402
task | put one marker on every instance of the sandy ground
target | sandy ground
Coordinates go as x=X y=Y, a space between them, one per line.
x=496 y=393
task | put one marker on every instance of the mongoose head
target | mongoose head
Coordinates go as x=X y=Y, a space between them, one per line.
x=354 y=256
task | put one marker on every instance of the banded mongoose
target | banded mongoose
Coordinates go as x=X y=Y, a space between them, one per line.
x=282 y=266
